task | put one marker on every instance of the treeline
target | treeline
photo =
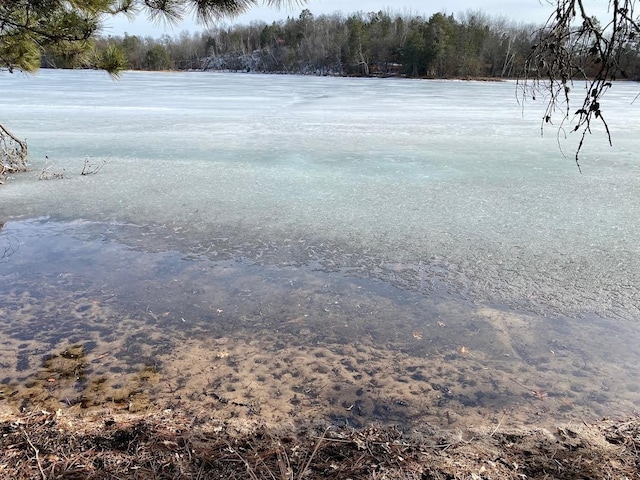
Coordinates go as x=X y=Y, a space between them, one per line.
x=375 y=43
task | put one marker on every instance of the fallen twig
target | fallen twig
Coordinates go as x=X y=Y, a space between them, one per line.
x=37 y=452
x=313 y=453
x=499 y=423
x=91 y=168
x=250 y=471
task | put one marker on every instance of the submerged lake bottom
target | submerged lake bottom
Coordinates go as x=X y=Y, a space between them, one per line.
x=105 y=315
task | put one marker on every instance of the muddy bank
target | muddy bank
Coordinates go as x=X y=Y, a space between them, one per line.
x=169 y=445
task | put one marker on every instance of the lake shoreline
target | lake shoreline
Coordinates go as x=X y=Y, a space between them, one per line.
x=168 y=444
x=418 y=269
x=207 y=410
x=245 y=339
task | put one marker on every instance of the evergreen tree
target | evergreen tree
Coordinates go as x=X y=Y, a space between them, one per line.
x=67 y=28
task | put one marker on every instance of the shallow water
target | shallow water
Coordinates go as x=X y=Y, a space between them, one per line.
x=280 y=247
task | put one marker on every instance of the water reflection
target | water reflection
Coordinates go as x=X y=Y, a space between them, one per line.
x=91 y=319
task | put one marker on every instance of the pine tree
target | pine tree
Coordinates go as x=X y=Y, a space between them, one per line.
x=67 y=27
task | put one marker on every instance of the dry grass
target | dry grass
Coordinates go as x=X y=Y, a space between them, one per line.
x=166 y=445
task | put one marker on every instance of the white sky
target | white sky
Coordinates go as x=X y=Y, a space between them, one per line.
x=527 y=11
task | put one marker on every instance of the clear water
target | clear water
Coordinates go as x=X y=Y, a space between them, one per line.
x=421 y=219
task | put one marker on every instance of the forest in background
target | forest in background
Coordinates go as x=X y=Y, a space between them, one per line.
x=470 y=45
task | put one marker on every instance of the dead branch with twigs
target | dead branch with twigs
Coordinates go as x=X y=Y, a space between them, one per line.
x=92 y=168
x=13 y=153
x=49 y=172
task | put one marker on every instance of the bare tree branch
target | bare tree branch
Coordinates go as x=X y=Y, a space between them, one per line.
x=573 y=46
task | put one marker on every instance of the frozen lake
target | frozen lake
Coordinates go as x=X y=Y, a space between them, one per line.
x=427 y=218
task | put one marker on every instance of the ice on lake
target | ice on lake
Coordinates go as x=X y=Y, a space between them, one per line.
x=427 y=217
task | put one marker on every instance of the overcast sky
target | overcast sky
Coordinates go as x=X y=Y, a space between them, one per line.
x=527 y=11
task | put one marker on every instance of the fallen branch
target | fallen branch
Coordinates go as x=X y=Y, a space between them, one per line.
x=13 y=153
x=91 y=168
